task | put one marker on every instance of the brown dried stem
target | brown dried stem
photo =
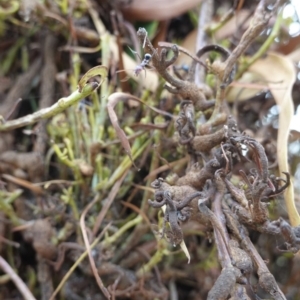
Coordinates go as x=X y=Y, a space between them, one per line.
x=16 y=279
x=88 y=247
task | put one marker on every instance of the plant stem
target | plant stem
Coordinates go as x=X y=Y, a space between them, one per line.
x=51 y=111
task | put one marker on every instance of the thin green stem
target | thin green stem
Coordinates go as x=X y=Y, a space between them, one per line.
x=137 y=150
x=110 y=240
x=155 y=259
x=51 y=111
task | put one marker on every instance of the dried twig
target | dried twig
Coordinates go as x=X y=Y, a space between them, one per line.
x=16 y=279
x=88 y=247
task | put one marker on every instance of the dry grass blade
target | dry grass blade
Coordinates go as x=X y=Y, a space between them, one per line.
x=113 y=99
x=111 y=198
x=24 y=183
x=88 y=247
x=16 y=279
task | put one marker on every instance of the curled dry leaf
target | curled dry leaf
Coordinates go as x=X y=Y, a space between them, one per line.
x=149 y=10
x=96 y=71
x=8 y=8
x=113 y=99
x=280 y=69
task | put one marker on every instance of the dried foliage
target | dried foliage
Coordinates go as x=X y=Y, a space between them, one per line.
x=105 y=182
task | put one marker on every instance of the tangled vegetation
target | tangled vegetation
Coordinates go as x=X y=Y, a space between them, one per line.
x=149 y=179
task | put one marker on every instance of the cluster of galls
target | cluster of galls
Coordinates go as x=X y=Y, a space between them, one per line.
x=247 y=204
x=206 y=192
